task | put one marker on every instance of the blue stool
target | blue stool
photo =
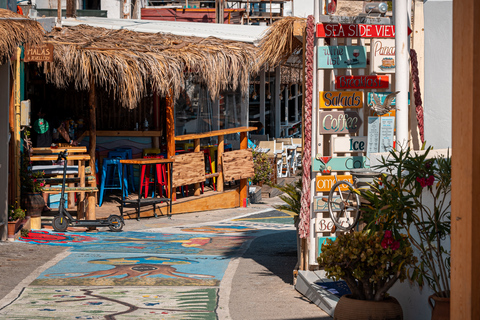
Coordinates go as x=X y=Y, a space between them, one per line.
x=112 y=177
x=131 y=183
x=121 y=155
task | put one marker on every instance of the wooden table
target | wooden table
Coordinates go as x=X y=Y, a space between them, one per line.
x=48 y=150
x=154 y=200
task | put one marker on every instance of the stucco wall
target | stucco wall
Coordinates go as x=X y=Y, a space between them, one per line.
x=438 y=73
x=4 y=90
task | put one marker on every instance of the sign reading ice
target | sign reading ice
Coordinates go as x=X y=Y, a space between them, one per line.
x=341 y=57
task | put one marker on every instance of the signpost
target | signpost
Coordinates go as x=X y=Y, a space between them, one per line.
x=325 y=183
x=349 y=144
x=382 y=55
x=340 y=99
x=39 y=53
x=362 y=82
x=333 y=122
x=341 y=57
x=338 y=30
x=340 y=164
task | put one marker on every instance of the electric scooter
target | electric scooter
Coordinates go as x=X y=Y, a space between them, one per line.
x=65 y=219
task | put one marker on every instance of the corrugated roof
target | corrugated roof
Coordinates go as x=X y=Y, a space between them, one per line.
x=234 y=32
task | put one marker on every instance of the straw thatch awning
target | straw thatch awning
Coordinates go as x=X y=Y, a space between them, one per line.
x=128 y=62
x=16 y=30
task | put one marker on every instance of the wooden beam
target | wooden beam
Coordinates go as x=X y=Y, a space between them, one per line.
x=243 y=182
x=170 y=132
x=196 y=145
x=465 y=258
x=298 y=28
x=92 y=201
x=194 y=136
x=220 y=149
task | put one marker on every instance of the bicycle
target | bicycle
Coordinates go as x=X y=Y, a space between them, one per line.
x=344 y=208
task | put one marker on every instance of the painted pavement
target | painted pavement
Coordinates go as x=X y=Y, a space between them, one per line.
x=167 y=273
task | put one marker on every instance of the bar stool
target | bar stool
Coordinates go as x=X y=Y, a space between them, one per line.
x=112 y=177
x=160 y=169
x=131 y=183
x=121 y=155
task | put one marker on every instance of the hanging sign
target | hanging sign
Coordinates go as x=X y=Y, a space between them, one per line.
x=320 y=204
x=325 y=183
x=338 y=30
x=349 y=144
x=39 y=53
x=340 y=99
x=333 y=122
x=362 y=82
x=341 y=57
x=340 y=164
x=387 y=126
x=382 y=55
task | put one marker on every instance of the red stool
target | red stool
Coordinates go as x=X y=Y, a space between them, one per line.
x=161 y=171
x=210 y=165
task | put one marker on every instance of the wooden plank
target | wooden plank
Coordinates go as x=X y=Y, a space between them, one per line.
x=238 y=164
x=189 y=168
x=146 y=161
x=325 y=183
x=335 y=122
x=298 y=29
x=49 y=150
x=340 y=99
x=341 y=57
x=48 y=157
x=349 y=144
x=123 y=133
x=340 y=163
x=243 y=180
x=213 y=133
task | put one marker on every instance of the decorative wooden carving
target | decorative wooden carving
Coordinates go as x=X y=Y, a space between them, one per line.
x=238 y=164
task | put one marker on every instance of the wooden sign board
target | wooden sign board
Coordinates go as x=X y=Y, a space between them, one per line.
x=382 y=96
x=339 y=30
x=238 y=164
x=39 y=53
x=340 y=164
x=340 y=99
x=325 y=183
x=320 y=204
x=362 y=82
x=341 y=57
x=333 y=122
x=188 y=168
x=349 y=144
x=322 y=227
x=382 y=55
x=387 y=126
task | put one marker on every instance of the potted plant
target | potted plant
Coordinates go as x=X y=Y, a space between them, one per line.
x=370 y=263
x=414 y=194
x=32 y=183
x=262 y=168
x=15 y=218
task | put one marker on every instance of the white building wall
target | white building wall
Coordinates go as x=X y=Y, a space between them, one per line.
x=4 y=106
x=438 y=73
x=114 y=8
x=302 y=8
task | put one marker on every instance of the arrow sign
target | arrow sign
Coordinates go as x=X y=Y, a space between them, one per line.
x=338 y=30
x=333 y=122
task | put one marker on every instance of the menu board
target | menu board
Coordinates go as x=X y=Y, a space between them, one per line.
x=387 y=126
x=373 y=136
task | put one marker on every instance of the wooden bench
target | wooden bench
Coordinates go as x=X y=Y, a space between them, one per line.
x=69 y=189
x=57 y=180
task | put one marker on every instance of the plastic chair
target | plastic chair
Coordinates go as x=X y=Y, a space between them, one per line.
x=112 y=177
x=131 y=183
x=120 y=155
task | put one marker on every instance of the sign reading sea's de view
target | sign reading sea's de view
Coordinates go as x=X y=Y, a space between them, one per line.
x=340 y=99
x=338 y=30
x=39 y=53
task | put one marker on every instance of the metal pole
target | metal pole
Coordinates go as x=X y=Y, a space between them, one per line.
x=401 y=71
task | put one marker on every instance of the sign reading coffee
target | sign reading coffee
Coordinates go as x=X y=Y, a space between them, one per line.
x=362 y=82
x=333 y=122
x=340 y=99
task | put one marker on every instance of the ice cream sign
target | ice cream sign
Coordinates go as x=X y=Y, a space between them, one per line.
x=382 y=55
x=341 y=57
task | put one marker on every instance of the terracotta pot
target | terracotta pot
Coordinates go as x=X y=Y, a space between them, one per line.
x=441 y=309
x=348 y=308
x=33 y=203
x=13 y=227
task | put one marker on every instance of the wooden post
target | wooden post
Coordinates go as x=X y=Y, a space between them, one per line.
x=59 y=13
x=196 y=145
x=12 y=188
x=220 y=150
x=156 y=119
x=81 y=195
x=170 y=132
x=465 y=258
x=92 y=201
x=243 y=182
x=71 y=9
x=17 y=128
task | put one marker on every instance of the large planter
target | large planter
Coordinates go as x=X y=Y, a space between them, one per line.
x=13 y=227
x=33 y=203
x=348 y=308
x=441 y=308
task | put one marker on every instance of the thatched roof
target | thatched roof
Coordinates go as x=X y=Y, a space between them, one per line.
x=127 y=62
x=15 y=29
